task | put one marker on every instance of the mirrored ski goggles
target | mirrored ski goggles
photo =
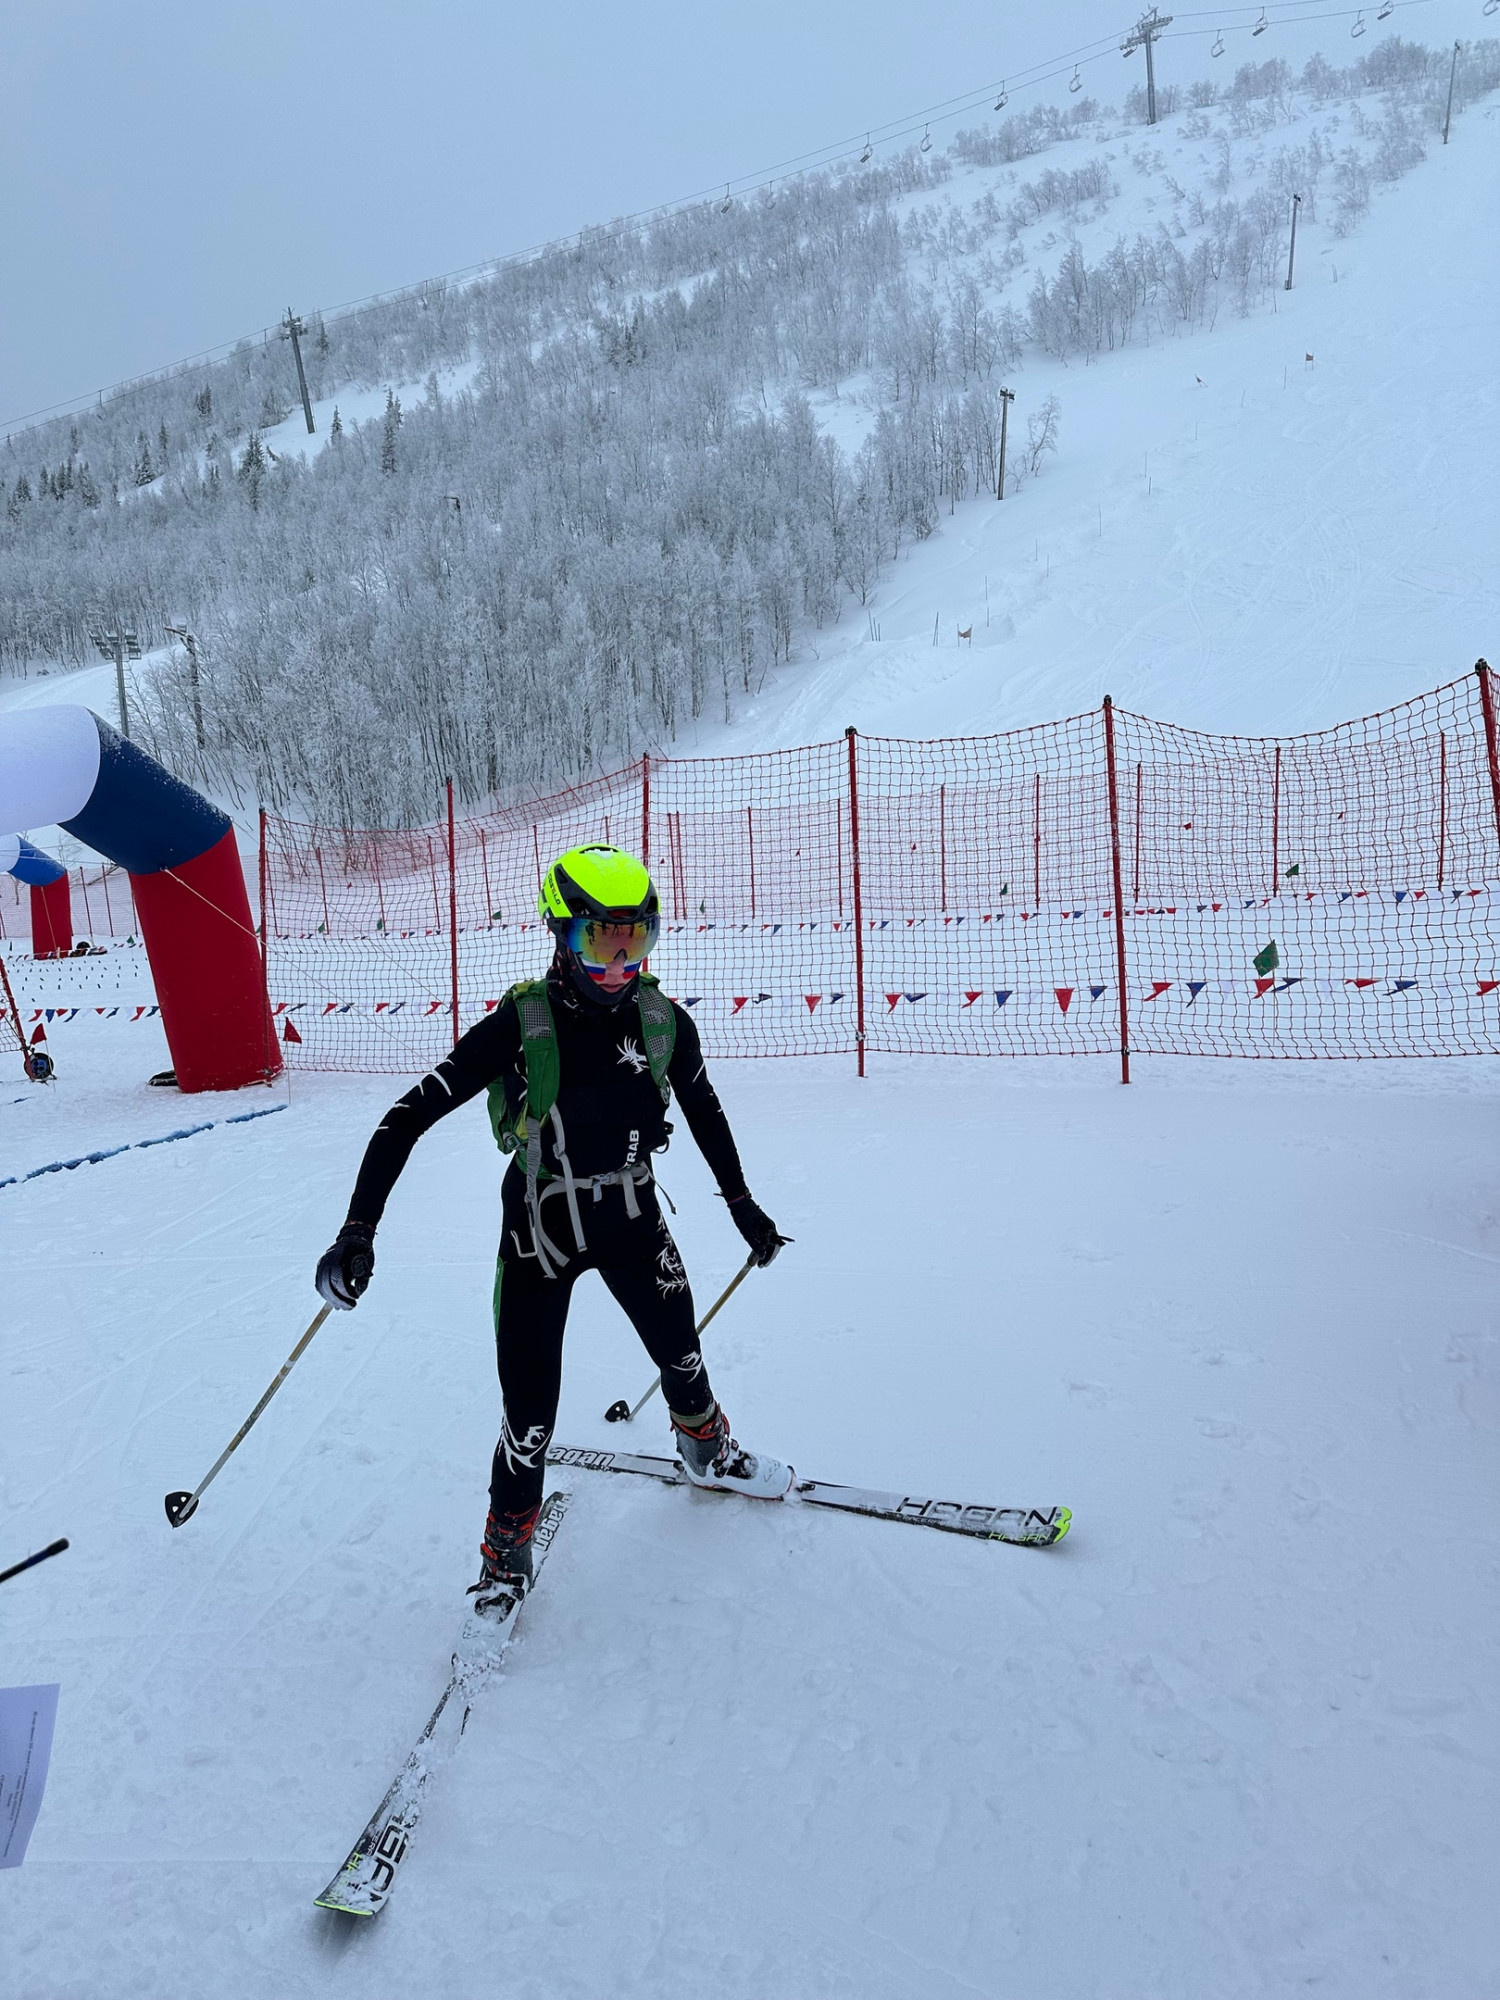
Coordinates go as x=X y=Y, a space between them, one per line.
x=598 y=945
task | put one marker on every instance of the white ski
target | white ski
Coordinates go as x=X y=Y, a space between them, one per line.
x=362 y=1886
x=1035 y=1527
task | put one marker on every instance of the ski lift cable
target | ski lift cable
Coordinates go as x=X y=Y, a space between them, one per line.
x=1275 y=21
x=351 y=310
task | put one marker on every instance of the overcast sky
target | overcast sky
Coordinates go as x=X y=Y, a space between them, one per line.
x=175 y=175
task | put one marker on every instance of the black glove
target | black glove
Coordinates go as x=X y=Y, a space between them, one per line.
x=345 y=1269
x=757 y=1228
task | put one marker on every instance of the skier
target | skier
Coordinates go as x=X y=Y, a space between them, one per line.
x=579 y=1068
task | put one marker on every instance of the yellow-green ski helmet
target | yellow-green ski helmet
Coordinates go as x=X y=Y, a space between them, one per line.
x=601 y=906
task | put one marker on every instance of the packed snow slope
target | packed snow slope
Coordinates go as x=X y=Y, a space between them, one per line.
x=1236 y=1736
x=1271 y=525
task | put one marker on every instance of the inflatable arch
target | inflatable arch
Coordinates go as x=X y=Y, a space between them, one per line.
x=51 y=902
x=66 y=766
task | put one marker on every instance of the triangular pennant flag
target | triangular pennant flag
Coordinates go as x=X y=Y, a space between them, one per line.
x=761 y=996
x=1158 y=987
x=1295 y=980
x=1400 y=895
x=1403 y=985
x=834 y=996
x=1195 y=987
x=891 y=1001
x=1359 y=982
x=693 y=1000
x=970 y=998
x=1487 y=986
x=332 y=1007
x=1064 y=997
x=1002 y=996
x=39 y=1034
x=913 y=998
x=289 y=1031
x=812 y=1000
x=739 y=1001
x=1264 y=985
x=1097 y=992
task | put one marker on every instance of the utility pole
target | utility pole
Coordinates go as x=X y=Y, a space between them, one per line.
x=1452 y=73
x=1143 y=36
x=1292 y=251
x=181 y=632
x=292 y=329
x=1007 y=397
x=119 y=644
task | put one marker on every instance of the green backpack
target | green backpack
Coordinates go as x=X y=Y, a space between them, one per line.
x=520 y=1131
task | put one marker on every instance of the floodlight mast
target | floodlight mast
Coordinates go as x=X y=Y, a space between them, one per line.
x=1143 y=36
x=190 y=642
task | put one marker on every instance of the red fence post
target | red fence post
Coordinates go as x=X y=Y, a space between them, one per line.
x=273 y=1061
x=646 y=809
x=1442 y=804
x=859 y=907
x=453 y=910
x=1114 y=856
x=1487 y=701
x=1276 y=826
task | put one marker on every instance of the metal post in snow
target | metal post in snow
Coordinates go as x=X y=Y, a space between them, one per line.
x=272 y=1063
x=1292 y=250
x=1114 y=860
x=1007 y=397
x=1452 y=74
x=859 y=908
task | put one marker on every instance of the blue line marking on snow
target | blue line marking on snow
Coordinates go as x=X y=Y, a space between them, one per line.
x=138 y=1145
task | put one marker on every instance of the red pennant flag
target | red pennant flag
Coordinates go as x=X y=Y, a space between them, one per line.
x=1064 y=997
x=1158 y=987
x=138 y=1013
x=1265 y=985
x=812 y=1000
x=1359 y=982
x=970 y=998
x=739 y=1001
x=1487 y=986
x=490 y=1006
x=289 y=1031
x=332 y=1007
x=434 y=1005
x=890 y=1000
x=39 y=1035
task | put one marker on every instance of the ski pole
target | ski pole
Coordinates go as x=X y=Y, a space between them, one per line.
x=622 y=1412
x=182 y=1506
x=55 y=1549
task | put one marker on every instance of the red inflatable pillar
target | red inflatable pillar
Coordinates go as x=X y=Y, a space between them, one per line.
x=205 y=960
x=51 y=918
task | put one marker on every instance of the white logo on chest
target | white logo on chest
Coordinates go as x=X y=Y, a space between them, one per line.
x=633 y=1058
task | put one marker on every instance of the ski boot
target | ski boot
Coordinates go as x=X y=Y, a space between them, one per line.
x=710 y=1457
x=505 y=1563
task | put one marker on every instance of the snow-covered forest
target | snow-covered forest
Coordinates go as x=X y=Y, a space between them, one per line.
x=604 y=497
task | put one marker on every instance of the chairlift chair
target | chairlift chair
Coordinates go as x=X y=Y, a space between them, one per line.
x=926 y=145
x=1261 y=25
x=1077 y=83
x=1359 y=24
x=1003 y=99
x=1386 y=11
x=727 y=203
x=1218 y=47
x=869 y=149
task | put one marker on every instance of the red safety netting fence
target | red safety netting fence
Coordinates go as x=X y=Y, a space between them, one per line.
x=1107 y=883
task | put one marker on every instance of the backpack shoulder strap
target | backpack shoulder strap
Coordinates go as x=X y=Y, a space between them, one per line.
x=540 y=1060
x=658 y=1030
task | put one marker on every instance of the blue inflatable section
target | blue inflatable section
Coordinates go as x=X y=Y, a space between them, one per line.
x=34 y=867
x=140 y=815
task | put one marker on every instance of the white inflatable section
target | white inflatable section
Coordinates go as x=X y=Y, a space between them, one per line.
x=49 y=765
x=10 y=851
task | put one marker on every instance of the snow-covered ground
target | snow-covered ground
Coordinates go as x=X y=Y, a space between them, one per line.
x=1235 y=1736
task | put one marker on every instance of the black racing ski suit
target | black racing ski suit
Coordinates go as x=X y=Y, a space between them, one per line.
x=613 y=1117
